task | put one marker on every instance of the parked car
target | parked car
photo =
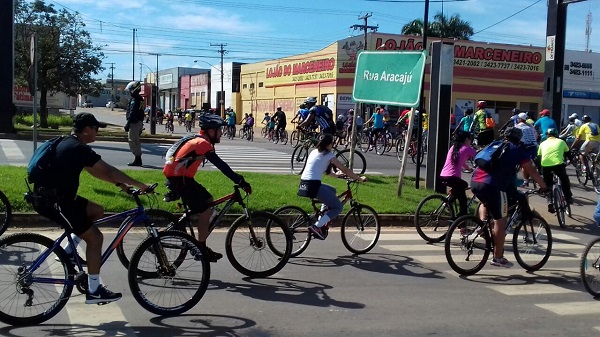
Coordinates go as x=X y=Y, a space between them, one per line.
x=88 y=105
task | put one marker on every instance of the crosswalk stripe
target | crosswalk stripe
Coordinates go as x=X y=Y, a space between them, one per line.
x=11 y=150
x=531 y=289
x=89 y=315
x=572 y=308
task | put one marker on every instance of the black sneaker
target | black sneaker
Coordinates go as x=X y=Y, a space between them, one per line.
x=213 y=256
x=72 y=258
x=551 y=208
x=317 y=232
x=102 y=296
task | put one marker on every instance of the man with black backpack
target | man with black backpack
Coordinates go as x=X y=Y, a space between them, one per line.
x=59 y=186
x=494 y=184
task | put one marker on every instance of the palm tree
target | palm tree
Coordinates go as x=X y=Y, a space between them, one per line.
x=442 y=26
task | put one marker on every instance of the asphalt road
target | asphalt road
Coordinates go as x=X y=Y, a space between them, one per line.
x=404 y=287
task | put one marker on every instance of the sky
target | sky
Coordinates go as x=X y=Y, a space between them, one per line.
x=184 y=31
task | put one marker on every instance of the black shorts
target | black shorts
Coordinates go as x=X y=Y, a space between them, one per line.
x=485 y=137
x=74 y=211
x=194 y=195
x=495 y=201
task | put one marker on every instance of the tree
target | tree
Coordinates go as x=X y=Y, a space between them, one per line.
x=442 y=26
x=68 y=60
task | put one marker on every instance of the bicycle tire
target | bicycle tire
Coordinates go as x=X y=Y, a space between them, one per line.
x=582 y=177
x=160 y=219
x=256 y=235
x=21 y=250
x=298 y=160
x=344 y=157
x=264 y=131
x=297 y=221
x=284 y=137
x=358 y=226
x=380 y=144
x=400 y=149
x=596 y=177
x=589 y=267
x=413 y=156
x=152 y=292
x=529 y=255
x=389 y=142
x=294 y=138
x=241 y=133
x=432 y=226
x=5 y=213
x=468 y=245
x=559 y=206
x=364 y=142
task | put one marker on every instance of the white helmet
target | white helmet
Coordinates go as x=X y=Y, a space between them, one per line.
x=133 y=86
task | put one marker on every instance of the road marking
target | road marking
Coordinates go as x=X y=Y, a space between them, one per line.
x=11 y=150
x=91 y=316
x=572 y=308
x=442 y=258
x=531 y=289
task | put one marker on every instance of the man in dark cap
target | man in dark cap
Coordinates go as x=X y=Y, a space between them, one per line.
x=73 y=154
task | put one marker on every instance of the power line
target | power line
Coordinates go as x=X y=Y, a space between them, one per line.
x=508 y=17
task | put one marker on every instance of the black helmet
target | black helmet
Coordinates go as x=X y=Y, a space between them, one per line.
x=552 y=132
x=133 y=86
x=210 y=121
x=516 y=111
x=310 y=100
x=513 y=134
x=586 y=118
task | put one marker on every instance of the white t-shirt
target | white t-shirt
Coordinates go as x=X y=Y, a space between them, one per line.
x=316 y=165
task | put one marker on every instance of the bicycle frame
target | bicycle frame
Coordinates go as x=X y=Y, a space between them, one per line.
x=344 y=198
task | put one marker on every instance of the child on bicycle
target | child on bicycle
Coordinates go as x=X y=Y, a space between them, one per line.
x=456 y=160
x=318 y=162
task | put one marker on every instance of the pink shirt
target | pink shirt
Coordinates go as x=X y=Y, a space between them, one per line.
x=455 y=169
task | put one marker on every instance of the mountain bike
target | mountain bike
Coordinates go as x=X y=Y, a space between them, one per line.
x=561 y=206
x=469 y=241
x=5 y=213
x=300 y=154
x=38 y=276
x=589 y=267
x=280 y=135
x=258 y=244
x=435 y=214
x=360 y=227
x=169 y=128
x=247 y=133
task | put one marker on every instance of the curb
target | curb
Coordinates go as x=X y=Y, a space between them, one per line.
x=34 y=220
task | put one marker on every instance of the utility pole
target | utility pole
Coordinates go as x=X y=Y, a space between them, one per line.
x=222 y=95
x=112 y=86
x=154 y=100
x=365 y=27
x=422 y=102
x=7 y=18
x=133 y=61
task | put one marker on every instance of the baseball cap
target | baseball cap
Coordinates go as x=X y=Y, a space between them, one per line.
x=573 y=115
x=522 y=116
x=83 y=119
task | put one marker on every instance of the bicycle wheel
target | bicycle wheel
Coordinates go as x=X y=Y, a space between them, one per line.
x=468 y=245
x=299 y=159
x=23 y=301
x=360 y=163
x=596 y=177
x=380 y=144
x=5 y=213
x=284 y=137
x=159 y=218
x=294 y=138
x=413 y=155
x=389 y=144
x=399 y=148
x=589 y=267
x=177 y=283
x=433 y=217
x=249 y=244
x=532 y=245
x=264 y=131
x=559 y=205
x=241 y=133
x=582 y=177
x=297 y=221
x=364 y=142
x=360 y=229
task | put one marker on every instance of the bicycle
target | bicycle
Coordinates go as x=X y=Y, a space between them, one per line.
x=259 y=234
x=360 y=227
x=301 y=135
x=247 y=133
x=230 y=131
x=188 y=126
x=300 y=154
x=581 y=175
x=560 y=204
x=589 y=267
x=435 y=214
x=169 y=128
x=469 y=241
x=5 y=213
x=280 y=135
x=40 y=276
x=412 y=148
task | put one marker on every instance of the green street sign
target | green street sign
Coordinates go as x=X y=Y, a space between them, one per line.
x=393 y=78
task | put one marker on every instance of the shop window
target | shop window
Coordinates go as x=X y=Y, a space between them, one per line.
x=245 y=86
x=251 y=85
x=525 y=106
x=260 y=84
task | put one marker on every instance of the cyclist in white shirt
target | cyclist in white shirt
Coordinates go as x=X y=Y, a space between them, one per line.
x=320 y=161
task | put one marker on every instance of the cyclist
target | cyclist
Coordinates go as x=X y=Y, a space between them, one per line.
x=321 y=114
x=544 y=123
x=456 y=160
x=181 y=167
x=170 y=118
x=301 y=114
x=552 y=152
x=578 y=121
x=188 y=120
x=60 y=185
x=266 y=119
x=230 y=115
x=485 y=135
x=243 y=123
x=568 y=133
x=249 y=123
x=377 y=119
x=528 y=141
x=280 y=121
x=318 y=162
x=496 y=190
x=591 y=132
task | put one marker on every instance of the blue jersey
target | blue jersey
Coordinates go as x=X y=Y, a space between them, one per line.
x=324 y=117
x=543 y=124
x=378 y=121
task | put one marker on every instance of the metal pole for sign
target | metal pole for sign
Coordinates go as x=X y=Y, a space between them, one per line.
x=353 y=136
x=35 y=79
x=405 y=152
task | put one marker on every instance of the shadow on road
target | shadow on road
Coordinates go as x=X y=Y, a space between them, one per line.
x=564 y=279
x=286 y=290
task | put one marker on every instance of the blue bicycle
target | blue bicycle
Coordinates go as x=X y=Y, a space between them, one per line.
x=168 y=274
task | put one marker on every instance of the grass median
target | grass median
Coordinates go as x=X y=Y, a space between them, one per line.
x=270 y=191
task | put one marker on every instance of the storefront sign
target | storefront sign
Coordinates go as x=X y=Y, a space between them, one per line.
x=165 y=79
x=550 y=47
x=392 y=78
x=312 y=70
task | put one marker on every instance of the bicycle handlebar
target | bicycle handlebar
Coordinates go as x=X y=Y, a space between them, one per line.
x=137 y=191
